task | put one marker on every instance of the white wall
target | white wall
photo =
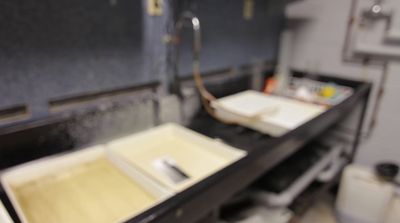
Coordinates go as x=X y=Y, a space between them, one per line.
x=317 y=47
x=384 y=143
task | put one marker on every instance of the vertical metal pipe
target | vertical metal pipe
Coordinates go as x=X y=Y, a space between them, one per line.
x=182 y=21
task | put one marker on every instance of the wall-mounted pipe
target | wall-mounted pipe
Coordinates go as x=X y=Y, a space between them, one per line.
x=365 y=59
x=186 y=18
x=205 y=96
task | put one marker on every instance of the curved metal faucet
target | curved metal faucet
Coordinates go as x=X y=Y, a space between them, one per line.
x=185 y=19
x=206 y=97
x=195 y=22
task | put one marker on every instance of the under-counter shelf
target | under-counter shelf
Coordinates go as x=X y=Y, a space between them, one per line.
x=280 y=186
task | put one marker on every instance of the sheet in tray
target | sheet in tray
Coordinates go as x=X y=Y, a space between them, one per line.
x=269 y=110
x=195 y=155
x=92 y=192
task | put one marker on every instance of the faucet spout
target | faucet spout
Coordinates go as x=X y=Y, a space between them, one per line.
x=189 y=17
x=206 y=96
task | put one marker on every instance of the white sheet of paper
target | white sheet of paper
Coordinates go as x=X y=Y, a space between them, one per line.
x=268 y=110
x=4 y=217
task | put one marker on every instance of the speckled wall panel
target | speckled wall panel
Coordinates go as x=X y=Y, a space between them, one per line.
x=228 y=39
x=49 y=48
x=53 y=49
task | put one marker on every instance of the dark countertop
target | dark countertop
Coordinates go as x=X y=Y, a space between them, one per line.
x=264 y=153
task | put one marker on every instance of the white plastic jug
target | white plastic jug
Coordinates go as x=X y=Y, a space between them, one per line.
x=393 y=214
x=363 y=197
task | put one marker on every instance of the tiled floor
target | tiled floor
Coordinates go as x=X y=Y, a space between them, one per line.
x=321 y=212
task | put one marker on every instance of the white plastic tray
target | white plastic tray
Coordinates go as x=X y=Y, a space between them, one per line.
x=173 y=155
x=83 y=186
x=269 y=114
x=4 y=217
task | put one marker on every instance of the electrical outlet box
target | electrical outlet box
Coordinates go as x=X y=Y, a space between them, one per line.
x=155 y=7
x=376 y=37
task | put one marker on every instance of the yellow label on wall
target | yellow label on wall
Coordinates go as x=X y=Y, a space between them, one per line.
x=155 y=7
x=248 y=9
